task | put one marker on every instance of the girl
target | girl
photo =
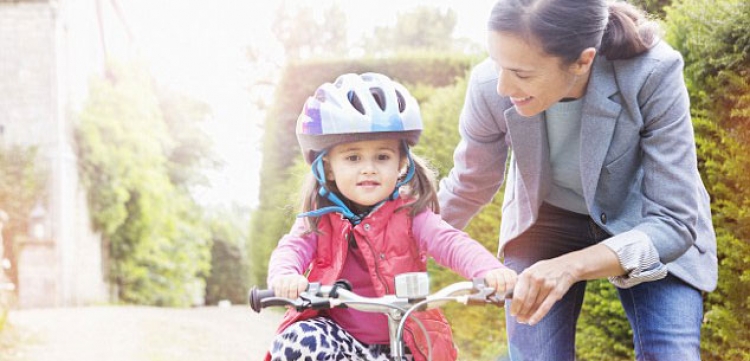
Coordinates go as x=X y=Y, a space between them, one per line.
x=356 y=134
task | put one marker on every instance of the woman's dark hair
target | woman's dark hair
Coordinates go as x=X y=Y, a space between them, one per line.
x=565 y=28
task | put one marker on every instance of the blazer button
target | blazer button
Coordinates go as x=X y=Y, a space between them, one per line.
x=603 y=217
x=367 y=226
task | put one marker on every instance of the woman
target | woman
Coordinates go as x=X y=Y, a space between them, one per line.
x=587 y=110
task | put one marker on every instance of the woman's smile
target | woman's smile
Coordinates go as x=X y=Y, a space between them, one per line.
x=520 y=101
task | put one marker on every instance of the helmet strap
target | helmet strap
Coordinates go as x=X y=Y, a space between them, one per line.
x=318 y=170
x=410 y=170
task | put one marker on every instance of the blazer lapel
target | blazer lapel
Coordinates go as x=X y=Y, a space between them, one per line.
x=599 y=116
x=528 y=136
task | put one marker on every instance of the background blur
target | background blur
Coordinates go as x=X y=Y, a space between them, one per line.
x=148 y=156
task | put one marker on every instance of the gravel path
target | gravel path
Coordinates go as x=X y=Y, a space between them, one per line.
x=137 y=334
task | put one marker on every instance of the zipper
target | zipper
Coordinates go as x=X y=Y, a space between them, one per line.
x=419 y=349
x=377 y=267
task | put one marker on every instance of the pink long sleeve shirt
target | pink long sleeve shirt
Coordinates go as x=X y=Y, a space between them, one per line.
x=448 y=246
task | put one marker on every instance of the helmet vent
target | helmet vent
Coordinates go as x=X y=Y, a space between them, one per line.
x=379 y=96
x=401 y=101
x=356 y=103
x=320 y=95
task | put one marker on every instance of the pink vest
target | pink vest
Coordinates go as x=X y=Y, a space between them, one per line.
x=389 y=249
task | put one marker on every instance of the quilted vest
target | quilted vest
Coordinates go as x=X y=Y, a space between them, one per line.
x=389 y=249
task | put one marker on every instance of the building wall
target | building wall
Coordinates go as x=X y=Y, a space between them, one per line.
x=48 y=52
x=26 y=79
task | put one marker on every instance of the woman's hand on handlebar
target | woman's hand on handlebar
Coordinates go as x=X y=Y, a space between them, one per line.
x=289 y=286
x=502 y=280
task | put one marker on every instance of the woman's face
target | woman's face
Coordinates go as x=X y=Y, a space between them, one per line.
x=533 y=79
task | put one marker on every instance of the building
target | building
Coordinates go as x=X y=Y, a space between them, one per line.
x=48 y=52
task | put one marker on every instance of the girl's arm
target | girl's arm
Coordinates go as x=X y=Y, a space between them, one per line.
x=290 y=260
x=451 y=247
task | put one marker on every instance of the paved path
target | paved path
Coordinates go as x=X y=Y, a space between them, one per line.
x=137 y=334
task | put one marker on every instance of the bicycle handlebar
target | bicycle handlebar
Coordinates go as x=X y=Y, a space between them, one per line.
x=398 y=309
x=317 y=296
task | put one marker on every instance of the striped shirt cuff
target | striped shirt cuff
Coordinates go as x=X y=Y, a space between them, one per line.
x=638 y=257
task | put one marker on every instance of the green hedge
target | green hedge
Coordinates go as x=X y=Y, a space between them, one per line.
x=714 y=38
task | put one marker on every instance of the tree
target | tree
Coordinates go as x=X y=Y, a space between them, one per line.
x=303 y=36
x=150 y=225
x=22 y=185
x=424 y=28
x=190 y=151
x=229 y=271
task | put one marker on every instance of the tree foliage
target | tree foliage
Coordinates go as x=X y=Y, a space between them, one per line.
x=713 y=38
x=423 y=28
x=653 y=7
x=229 y=273
x=440 y=112
x=22 y=183
x=150 y=224
x=303 y=35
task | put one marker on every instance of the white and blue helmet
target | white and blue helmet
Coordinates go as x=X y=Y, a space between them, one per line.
x=355 y=108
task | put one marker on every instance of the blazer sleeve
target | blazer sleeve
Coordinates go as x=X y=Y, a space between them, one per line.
x=480 y=157
x=671 y=187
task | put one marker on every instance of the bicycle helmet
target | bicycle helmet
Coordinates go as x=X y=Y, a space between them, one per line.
x=354 y=108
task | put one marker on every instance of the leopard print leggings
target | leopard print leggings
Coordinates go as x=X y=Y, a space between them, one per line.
x=321 y=339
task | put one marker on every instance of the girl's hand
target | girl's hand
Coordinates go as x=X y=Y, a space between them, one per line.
x=289 y=286
x=501 y=279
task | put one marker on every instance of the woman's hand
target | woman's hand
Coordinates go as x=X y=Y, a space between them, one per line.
x=289 y=286
x=538 y=288
x=546 y=282
x=501 y=279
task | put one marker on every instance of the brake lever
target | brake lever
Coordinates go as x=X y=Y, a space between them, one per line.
x=487 y=295
x=310 y=300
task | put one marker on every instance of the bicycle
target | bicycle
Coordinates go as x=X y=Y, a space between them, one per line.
x=412 y=294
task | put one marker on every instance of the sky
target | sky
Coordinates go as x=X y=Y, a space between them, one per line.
x=200 y=47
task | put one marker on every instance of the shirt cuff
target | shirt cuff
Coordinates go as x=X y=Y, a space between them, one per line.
x=638 y=257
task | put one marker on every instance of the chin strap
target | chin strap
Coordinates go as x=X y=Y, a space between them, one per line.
x=410 y=169
x=339 y=206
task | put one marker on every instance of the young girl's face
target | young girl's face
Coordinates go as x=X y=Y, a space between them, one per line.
x=365 y=172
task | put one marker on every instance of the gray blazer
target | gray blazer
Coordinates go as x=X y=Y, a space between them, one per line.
x=638 y=161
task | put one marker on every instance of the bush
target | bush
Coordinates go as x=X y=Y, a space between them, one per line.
x=714 y=40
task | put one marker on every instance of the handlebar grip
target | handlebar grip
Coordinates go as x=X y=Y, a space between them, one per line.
x=256 y=296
